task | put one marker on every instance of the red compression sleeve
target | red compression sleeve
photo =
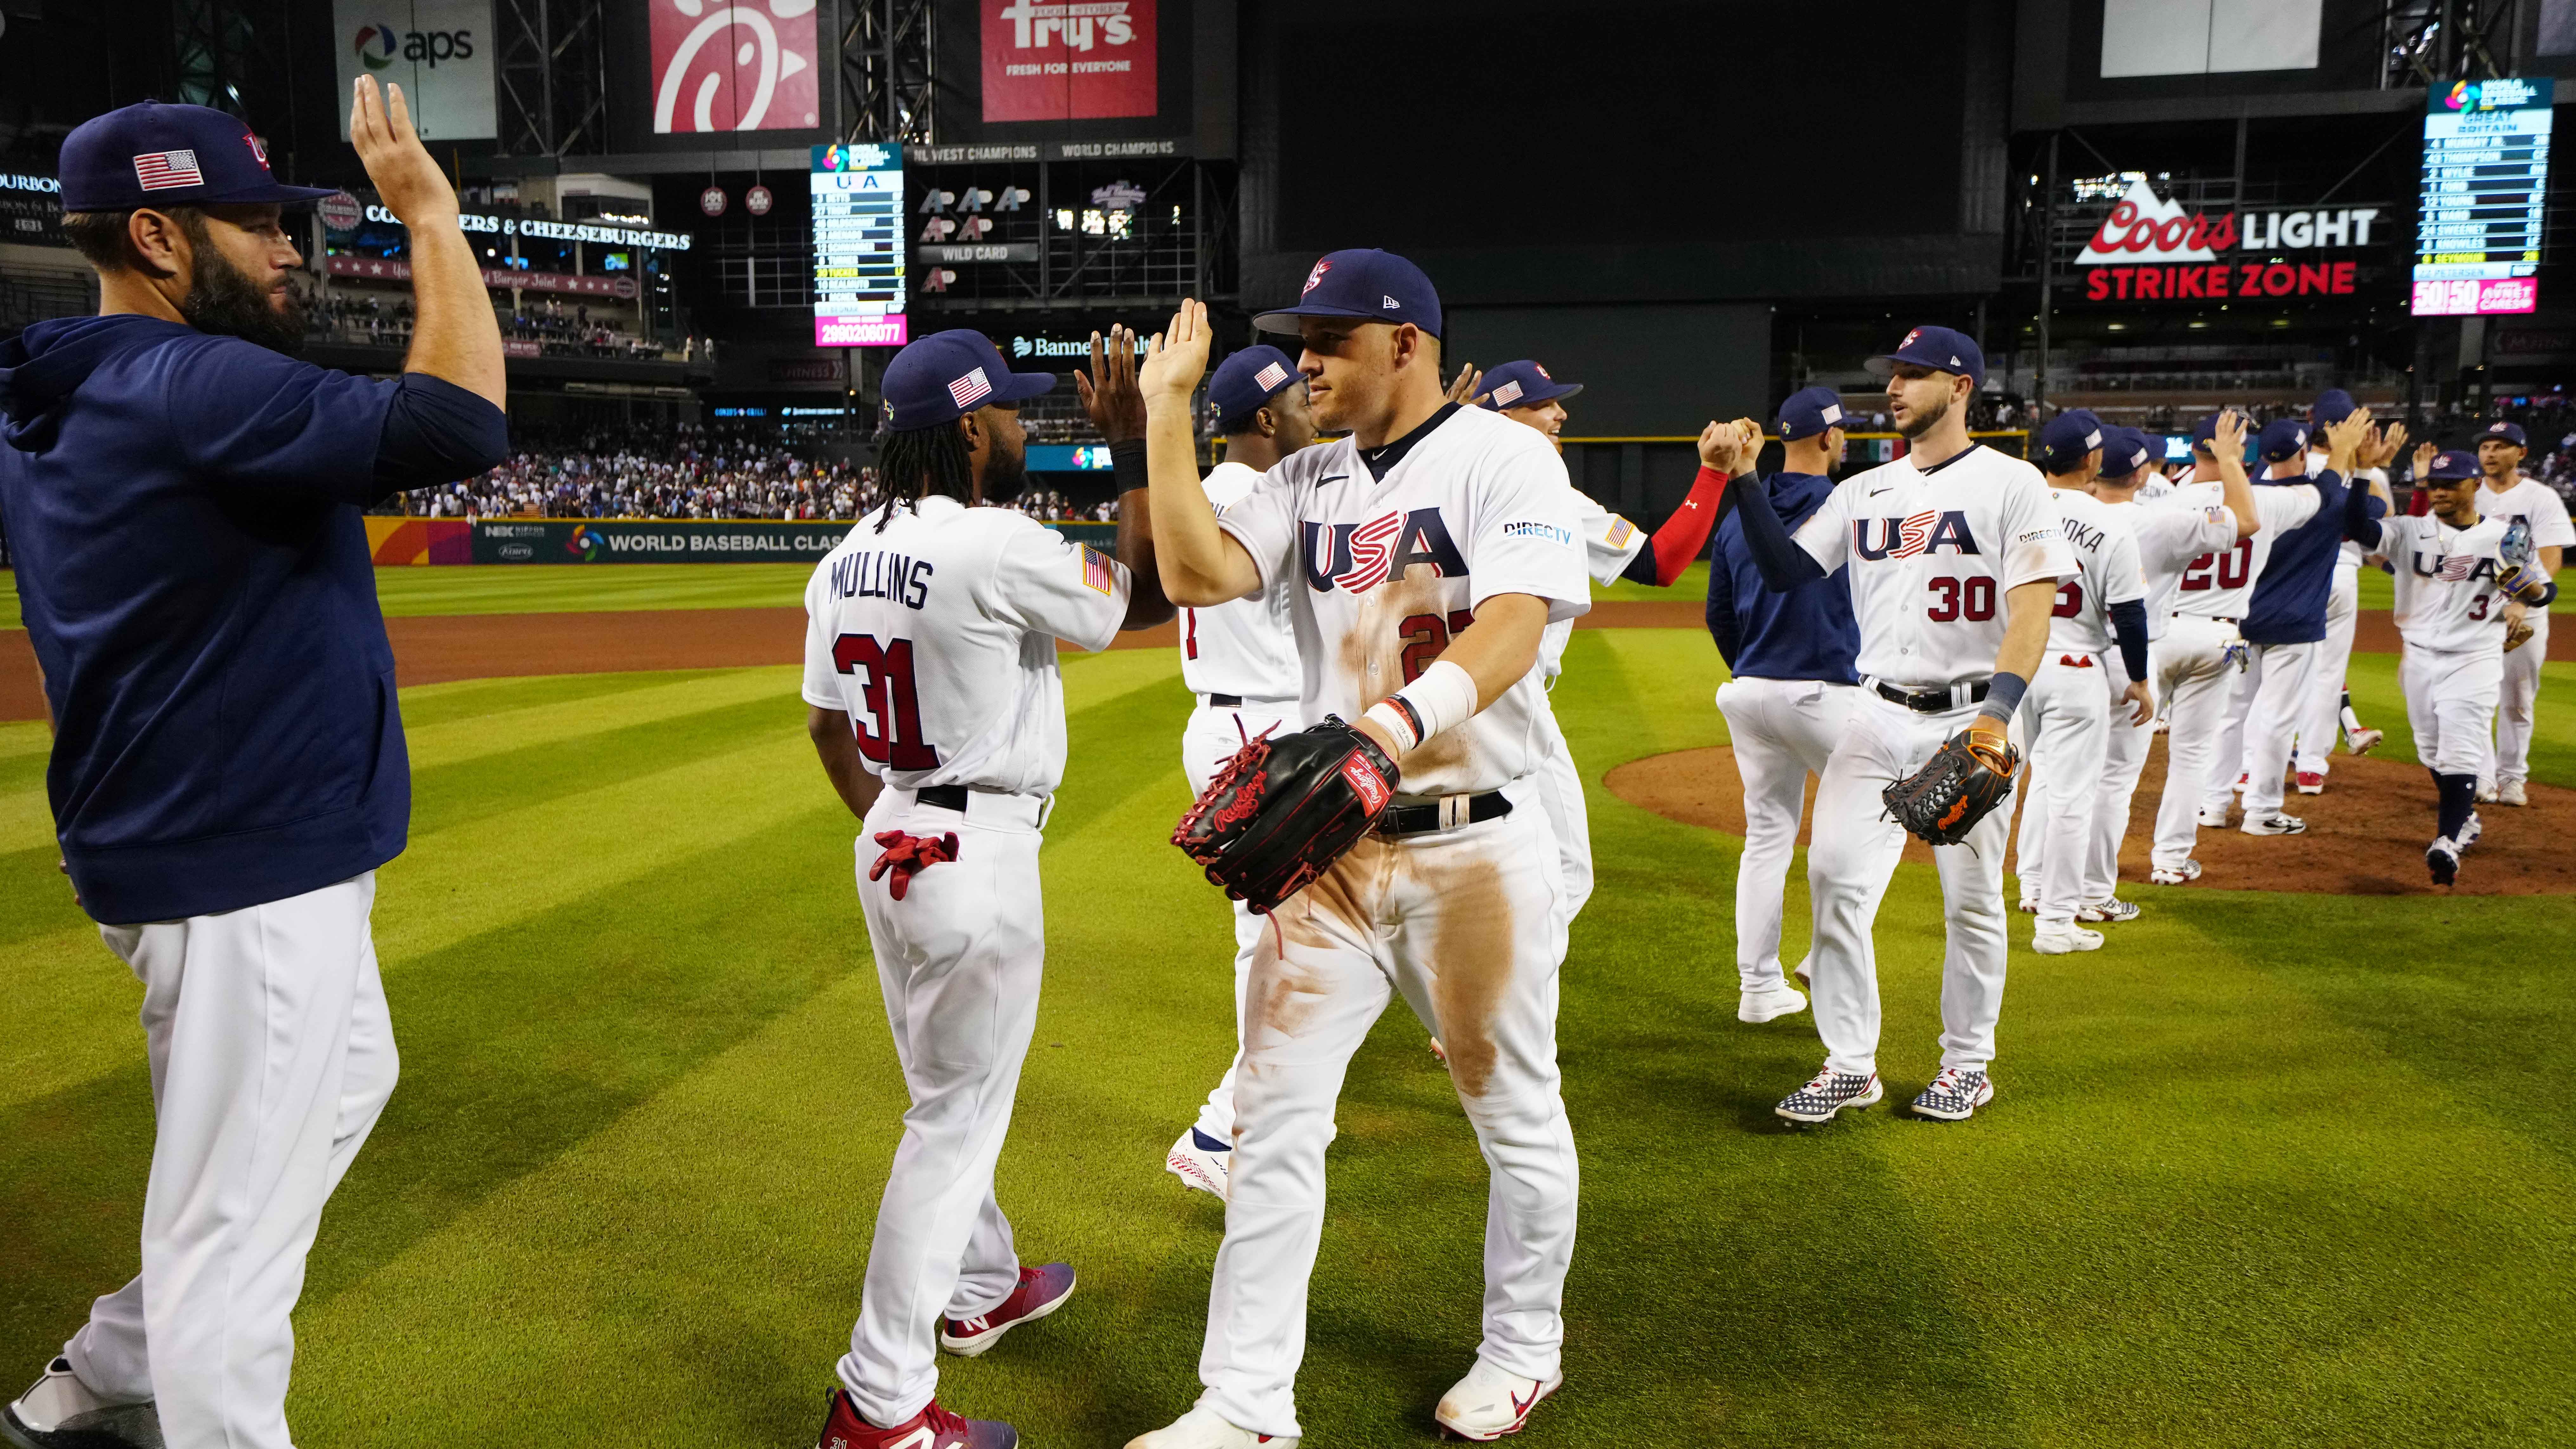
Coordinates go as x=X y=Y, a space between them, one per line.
x=1684 y=535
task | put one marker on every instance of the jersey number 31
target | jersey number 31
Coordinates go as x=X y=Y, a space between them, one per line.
x=892 y=736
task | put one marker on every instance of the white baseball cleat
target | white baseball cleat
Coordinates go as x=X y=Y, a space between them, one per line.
x=2060 y=943
x=61 y=1412
x=1489 y=1403
x=2512 y=792
x=2109 y=908
x=2443 y=859
x=2213 y=816
x=2189 y=870
x=2486 y=792
x=1769 y=1003
x=1205 y=1428
x=2273 y=824
x=2470 y=833
x=2362 y=741
x=2030 y=905
x=1200 y=1161
x=2243 y=780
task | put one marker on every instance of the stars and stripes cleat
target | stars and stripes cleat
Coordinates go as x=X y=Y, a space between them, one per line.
x=2312 y=782
x=1769 y=1003
x=1204 y=1428
x=1200 y=1161
x=1042 y=1291
x=1829 y=1093
x=2442 y=858
x=2214 y=816
x=1955 y=1095
x=2362 y=741
x=2512 y=792
x=60 y=1412
x=2109 y=908
x=2274 y=824
x=2470 y=833
x=2189 y=870
x=1489 y=1403
x=932 y=1428
x=2060 y=943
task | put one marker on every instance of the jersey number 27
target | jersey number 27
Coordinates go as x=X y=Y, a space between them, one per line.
x=892 y=736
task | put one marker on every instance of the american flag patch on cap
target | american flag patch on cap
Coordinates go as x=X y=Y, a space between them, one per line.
x=970 y=387
x=1270 y=377
x=164 y=170
x=1098 y=570
x=1507 y=394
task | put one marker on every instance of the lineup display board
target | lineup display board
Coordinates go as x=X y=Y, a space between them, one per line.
x=858 y=246
x=2484 y=194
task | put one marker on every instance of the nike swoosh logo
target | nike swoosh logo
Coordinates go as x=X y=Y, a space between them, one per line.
x=1331 y=478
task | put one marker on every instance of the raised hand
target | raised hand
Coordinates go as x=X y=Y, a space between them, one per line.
x=2344 y=439
x=1176 y=358
x=1468 y=389
x=2392 y=440
x=1109 y=392
x=2425 y=453
x=412 y=186
x=2227 y=436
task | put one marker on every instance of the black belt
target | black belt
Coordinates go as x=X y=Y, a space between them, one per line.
x=946 y=797
x=1415 y=819
x=1929 y=701
x=1226 y=701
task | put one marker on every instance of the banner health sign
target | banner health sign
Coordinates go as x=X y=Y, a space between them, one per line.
x=2148 y=249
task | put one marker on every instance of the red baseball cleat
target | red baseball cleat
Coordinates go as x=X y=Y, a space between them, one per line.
x=1042 y=1291
x=2312 y=782
x=932 y=1428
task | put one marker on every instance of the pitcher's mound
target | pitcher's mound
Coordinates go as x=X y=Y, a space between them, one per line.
x=2366 y=834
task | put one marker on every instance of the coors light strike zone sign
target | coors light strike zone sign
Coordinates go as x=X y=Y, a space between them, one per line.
x=2150 y=250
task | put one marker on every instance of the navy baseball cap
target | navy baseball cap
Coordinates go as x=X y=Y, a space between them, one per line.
x=2332 y=406
x=2456 y=465
x=151 y=154
x=2124 y=451
x=2282 y=440
x=1809 y=411
x=2503 y=431
x=1246 y=382
x=1524 y=384
x=946 y=375
x=2066 y=438
x=1938 y=348
x=2204 y=434
x=1362 y=282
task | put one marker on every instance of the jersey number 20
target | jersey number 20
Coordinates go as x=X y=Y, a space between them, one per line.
x=893 y=736
x=2226 y=569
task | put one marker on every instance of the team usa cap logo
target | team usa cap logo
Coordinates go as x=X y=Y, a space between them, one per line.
x=1543 y=372
x=168 y=170
x=258 y=152
x=1909 y=338
x=1315 y=277
x=969 y=388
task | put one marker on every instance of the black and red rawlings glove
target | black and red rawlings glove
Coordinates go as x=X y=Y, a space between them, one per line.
x=909 y=855
x=1961 y=784
x=1283 y=810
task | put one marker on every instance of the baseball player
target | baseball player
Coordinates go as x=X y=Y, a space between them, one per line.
x=1955 y=556
x=183 y=505
x=938 y=712
x=2451 y=597
x=2203 y=654
x=1428 y=551
x=2329 y=703
x=2168 y=537
x=2504 y=493
x=1792 y=687
x=2067 y=713
x=2285 y=615
x=1239 y=660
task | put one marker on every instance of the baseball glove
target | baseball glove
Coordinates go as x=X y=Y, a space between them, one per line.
x=1966 y=778
x=1283 y=810
x=2516 y=634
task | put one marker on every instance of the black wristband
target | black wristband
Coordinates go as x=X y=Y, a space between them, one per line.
x=2003 y=695
x=1127 y=462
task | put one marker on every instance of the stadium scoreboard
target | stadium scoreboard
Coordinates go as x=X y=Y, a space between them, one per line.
x=2484 y=194
x=858 y=246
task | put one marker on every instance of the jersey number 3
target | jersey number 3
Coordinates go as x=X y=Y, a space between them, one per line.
x=892 y=737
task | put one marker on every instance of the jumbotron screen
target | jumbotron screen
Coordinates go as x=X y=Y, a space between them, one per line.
x=2485 y=189
x=858 y=246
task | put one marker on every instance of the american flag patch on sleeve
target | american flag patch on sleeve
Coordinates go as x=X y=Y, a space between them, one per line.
x=1621 y=530
x=1098 y=570
x=165 y=170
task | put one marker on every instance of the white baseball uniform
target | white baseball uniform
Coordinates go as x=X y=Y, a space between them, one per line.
x=1244 y=652
x=1931 y=557
x=935 y=630
x=2169 y=537
x=1464 y=919
x=1609 y=542
x=2451 y=617
x=2067 y=713
x=2531 y=502
x=2193 y=671
x=2323 y=718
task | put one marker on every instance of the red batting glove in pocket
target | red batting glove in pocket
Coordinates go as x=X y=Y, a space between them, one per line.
x=908 y=855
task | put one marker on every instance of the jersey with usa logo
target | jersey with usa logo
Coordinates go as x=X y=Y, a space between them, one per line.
x=937 y=636
x=1609 y=542
x=2107 y=572
x=1931 y=556
x=2447 y=599
x=2220 y=583
x=1385 y=572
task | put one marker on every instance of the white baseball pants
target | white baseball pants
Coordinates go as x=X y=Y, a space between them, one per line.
x=960 y=959
x=272 y=1056
x=2193 y=675
x=2066 y=718
x=1782 y=731
x=2322 y=720
x=2124 y=758
x=2219 y=791
x=2282 y=676
x=1560 y=792
x=2451 y=706
x=1850 y=859
x=2518 y=696
x=1207 y=742
x=1467 y=924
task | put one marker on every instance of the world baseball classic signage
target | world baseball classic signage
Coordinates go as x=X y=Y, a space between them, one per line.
x=2148 y=249
x=609 y=540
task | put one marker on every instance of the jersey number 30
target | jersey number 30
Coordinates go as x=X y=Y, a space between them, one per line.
x=892 y=737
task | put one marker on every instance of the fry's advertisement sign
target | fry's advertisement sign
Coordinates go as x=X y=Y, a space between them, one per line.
x=2149 y=249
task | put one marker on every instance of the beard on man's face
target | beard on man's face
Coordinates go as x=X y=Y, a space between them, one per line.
x=225 y=300
x=1006 y=474
x=1921 y=421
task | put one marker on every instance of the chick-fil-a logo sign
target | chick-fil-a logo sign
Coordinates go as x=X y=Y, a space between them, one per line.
x=1065 y=60
x=734 y=67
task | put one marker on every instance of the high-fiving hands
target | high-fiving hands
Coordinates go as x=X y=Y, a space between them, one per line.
x=412 y=186
x=1730 y=448
x=1175 y=359
x=1109 y=392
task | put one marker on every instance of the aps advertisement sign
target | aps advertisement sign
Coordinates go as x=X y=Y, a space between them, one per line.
x=439 y=51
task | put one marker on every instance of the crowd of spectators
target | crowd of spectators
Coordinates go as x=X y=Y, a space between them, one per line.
x=382 y=319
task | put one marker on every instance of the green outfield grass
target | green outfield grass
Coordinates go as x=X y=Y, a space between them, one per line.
x=2268 y=1170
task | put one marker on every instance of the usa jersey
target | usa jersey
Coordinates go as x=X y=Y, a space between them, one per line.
x=1931 y=556
x=1384 y=573
x=1609 y=541
x=2447 y=599
x=2532 y=503
x=2106 y=573
x=1246 y=648
x=938 y=635
x=2189 y=522
x=2217 y=584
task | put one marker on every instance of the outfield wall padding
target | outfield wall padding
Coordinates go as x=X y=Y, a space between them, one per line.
x=620 y=540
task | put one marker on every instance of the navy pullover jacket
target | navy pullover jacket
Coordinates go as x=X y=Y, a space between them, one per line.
x=2288 y=605
x=1805 y=633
